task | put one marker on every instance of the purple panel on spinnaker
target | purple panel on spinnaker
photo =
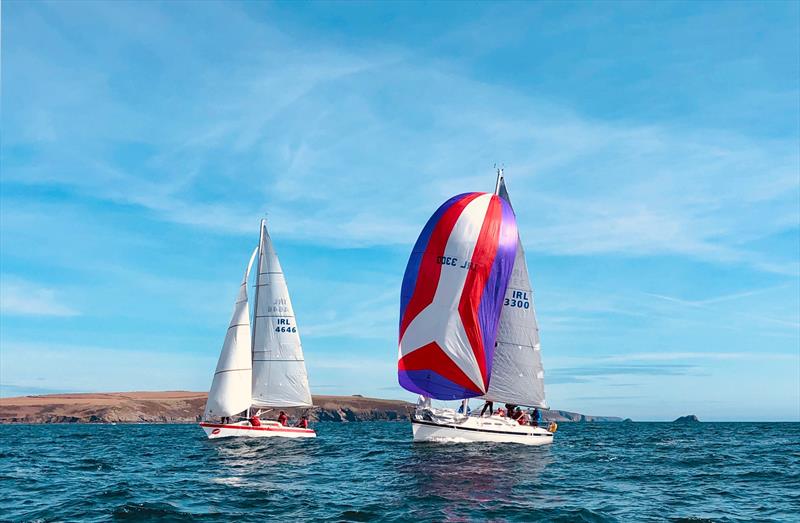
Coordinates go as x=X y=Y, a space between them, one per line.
x=491 y=305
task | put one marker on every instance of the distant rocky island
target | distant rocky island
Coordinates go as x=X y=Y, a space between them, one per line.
x=691 y=418
x=187 y=407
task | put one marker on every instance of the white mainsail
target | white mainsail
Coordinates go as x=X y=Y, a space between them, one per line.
x=517 y=371
x=279 y=369
x=230 y=389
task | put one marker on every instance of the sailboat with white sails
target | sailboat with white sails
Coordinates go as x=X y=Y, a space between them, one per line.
x=468 y=326
x=261 y=365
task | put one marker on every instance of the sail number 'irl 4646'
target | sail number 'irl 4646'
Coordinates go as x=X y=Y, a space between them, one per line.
x=261 y=364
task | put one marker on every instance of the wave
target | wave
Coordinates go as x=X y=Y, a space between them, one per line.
x=374 y=472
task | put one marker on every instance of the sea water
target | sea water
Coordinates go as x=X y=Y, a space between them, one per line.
x=373 y=472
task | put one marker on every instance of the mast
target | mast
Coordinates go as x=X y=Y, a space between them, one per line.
x=258 y=278
x=499 y=179
x=256 y=292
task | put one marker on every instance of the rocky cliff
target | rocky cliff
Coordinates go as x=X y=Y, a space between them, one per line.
x=187 y=407
x=565 y=415
x=176 y=407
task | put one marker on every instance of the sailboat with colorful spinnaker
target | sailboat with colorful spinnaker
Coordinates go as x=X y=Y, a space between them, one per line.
x=467 y=323
x=261 y=365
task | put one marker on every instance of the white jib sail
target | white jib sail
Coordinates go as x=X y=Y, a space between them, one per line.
x=279 y=369
x=230 y=389
x=517 y=371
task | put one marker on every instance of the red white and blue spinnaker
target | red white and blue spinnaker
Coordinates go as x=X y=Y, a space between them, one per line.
x=452 y=296
x=468 y=327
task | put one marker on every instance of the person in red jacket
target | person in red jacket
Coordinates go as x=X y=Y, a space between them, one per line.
x=254 y=421
x=282 y=418
x=303 y=423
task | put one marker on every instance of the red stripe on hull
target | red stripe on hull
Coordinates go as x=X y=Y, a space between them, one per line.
x=270 y=429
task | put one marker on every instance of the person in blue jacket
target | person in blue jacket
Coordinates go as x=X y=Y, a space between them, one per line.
x=535 y=417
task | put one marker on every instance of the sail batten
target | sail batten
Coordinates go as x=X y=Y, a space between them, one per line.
x=279 y=372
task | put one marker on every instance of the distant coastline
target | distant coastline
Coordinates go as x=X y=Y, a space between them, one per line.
x=187 y=407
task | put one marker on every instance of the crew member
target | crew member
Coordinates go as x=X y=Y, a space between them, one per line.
x=283 y=419
x=303 y=423
x=510 y=410
x=536 y=417
x=254 y=421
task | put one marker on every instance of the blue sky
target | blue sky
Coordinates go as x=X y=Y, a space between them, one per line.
x=651 y=151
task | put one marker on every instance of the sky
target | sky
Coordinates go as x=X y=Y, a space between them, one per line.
x=652 y=152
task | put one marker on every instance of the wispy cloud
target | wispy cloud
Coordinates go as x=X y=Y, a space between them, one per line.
x=351 y=363
x=606 y=398
x=661 y=364
x=716 y=299
x=606 y=369
x=374 y=317
x=711 y=356
x=711 y=305
x=98 y=369
x=635 y=188
x=19 y=297
x=158 y=151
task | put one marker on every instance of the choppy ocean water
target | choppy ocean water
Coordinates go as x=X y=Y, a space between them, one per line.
x=373 y=472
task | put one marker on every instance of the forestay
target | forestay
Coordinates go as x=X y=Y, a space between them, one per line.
x=452 y=294
x=230 y=389
x=517 y=373
x=279 y=370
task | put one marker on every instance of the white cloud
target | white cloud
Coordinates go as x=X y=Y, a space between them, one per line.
x=361 y=318
x=688 y=356
x=19 y=297
x=714 y=304
x=355 y=147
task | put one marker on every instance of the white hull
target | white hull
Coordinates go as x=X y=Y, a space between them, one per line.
x=268 y=429
x=447 y=427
